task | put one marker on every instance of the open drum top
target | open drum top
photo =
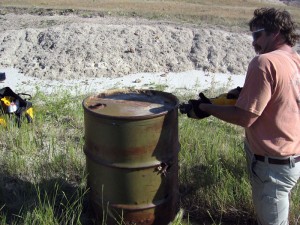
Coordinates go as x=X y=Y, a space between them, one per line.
x=131 y=103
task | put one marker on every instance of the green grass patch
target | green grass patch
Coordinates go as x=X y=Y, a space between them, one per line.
x=43 y=177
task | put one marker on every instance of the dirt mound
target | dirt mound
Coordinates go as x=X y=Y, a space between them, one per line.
x=69 y=47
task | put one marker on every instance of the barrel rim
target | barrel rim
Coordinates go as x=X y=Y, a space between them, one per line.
x=145 y=91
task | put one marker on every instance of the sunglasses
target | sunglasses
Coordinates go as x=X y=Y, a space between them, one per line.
x=256 y=34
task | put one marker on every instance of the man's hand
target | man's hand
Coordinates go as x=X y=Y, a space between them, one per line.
x=195 y=111
x=204 y=99
x=234 y=93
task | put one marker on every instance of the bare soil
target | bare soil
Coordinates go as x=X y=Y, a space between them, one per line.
x=65 y=45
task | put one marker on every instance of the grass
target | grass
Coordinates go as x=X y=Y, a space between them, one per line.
x=217 y=165
x=42 y=164
x=43 y=174
x=227 y=13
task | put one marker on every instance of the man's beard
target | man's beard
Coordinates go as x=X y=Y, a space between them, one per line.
x=257 y=49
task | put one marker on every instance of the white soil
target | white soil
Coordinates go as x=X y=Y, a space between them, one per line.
x=69 y=47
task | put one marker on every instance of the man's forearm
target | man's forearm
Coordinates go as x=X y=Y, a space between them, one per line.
x=230 y=114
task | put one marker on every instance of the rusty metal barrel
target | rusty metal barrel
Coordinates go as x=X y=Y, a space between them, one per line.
x=131 y=147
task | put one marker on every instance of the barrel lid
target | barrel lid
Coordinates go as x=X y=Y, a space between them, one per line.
x=130 y=103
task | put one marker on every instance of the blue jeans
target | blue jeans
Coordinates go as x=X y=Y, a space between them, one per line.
x=271 y=187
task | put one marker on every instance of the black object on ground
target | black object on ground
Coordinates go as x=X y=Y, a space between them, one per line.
x=2 y=76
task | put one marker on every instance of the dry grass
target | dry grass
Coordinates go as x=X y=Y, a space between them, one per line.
x=215 y=12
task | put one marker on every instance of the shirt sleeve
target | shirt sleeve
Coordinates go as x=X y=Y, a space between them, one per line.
x=257 y=90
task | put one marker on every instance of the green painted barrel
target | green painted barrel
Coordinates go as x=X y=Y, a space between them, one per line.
x=131 y=147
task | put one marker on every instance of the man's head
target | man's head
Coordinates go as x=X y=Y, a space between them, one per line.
x=272 y=21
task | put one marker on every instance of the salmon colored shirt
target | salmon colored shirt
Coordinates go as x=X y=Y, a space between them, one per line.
x=272 y=91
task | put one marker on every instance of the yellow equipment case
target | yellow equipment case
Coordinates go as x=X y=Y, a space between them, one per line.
x=12 y=105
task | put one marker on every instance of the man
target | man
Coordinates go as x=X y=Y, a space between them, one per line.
x=269 y=109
